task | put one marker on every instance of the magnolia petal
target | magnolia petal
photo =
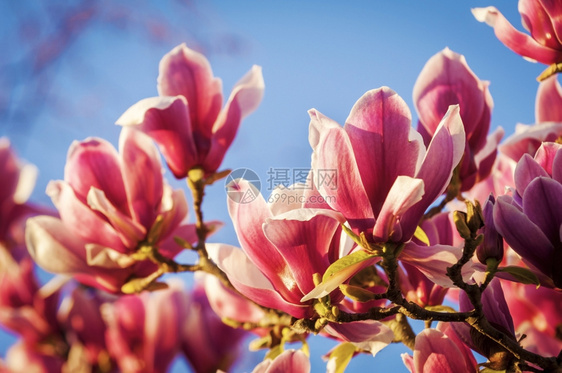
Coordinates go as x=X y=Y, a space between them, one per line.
x=166 y=120
x=443 y=155
x=130 y=232
x=97 y=255
x=380 y=134
x=515 y=40
x=526 y=171
x=528 y=139
x=304 y=242
x=405 y=192
x=244 y=99
x=332 y=152
x=546 y=156
x=248 y=219
x=95 y=163
x=548 y=104
x=250 y=281
x=185 y=72
x=173 y=210
x=435 y=352
x=486 y=157
x=368 y=335
x=294 y=361
x=54 y=247
x=542 y=203
x=81 y=219
x=525 y=237
x=142 y=172
x=433 y=261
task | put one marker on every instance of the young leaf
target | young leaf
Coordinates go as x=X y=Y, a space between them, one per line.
x=340 y=357
x=420 y=235
x=523 y=275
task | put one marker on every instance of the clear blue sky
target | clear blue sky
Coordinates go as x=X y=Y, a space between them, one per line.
x=314 y=54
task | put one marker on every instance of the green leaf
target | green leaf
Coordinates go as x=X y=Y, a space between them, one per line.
x=440 y=308
x=420 y=235
x=274 y=352
x=346 y=262
x=351 y=234
x=342 y=355
x=521 y=274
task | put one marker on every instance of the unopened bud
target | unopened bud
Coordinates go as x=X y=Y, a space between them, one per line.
x=492 y=245
x=474 y=218
x=459 y=218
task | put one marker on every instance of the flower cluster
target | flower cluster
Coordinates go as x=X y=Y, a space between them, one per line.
x=439 y=223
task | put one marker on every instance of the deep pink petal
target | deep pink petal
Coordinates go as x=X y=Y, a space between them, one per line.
x=553 y=10
x=244 y=99
x=433 y=261
x=542 y=203
x=486 y=157
x=537 y=21
x=289 y=361
x=405 y=192
x=248 y=219
x=166 y=120
x=446 y=79
x=525 y=237
x=81 y=219
x=517 y=41
x=527 y=139
x=379 y=129
x=548 y=105
x=435 y=352
x=251 y=282
x=443 y=155
x=368 y=335
x=173 y=211
x=95 y=163
x=526 y=171
x=333 y=157
x=303 y=237
x=57 y=250
x=185 y=72
x=142 y=175
x=546 y=156
x=130 y=231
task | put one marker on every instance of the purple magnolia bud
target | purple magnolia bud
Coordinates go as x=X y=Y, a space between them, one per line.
x=492 y=246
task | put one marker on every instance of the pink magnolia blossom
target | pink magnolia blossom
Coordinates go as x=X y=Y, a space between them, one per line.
x=386 y=178
x=445 y=80
x=527 y=139
x=207 y=343
x=144 y=332
x=294 y=361
x=24 y=358
x=110 y=204
x=541 y=18
x=25 y=308
x=440 y=351
x=186 y=120
x=531 y=220
x=18 y=180
x=283 y=247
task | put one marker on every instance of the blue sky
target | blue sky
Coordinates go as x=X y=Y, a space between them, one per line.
x=314 y=54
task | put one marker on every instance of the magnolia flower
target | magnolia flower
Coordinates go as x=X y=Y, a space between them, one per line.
x=440 y=351
x=447 y=80
x=110 y=204
x=282 y=250
x=531 y=220
x=548 y=118
x=541 y=18
x=385 y=177
x=186 y=120
x=207 y=343
x=18 y=180
x=144 y=332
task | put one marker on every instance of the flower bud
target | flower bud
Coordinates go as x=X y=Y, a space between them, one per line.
x=492 y=246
